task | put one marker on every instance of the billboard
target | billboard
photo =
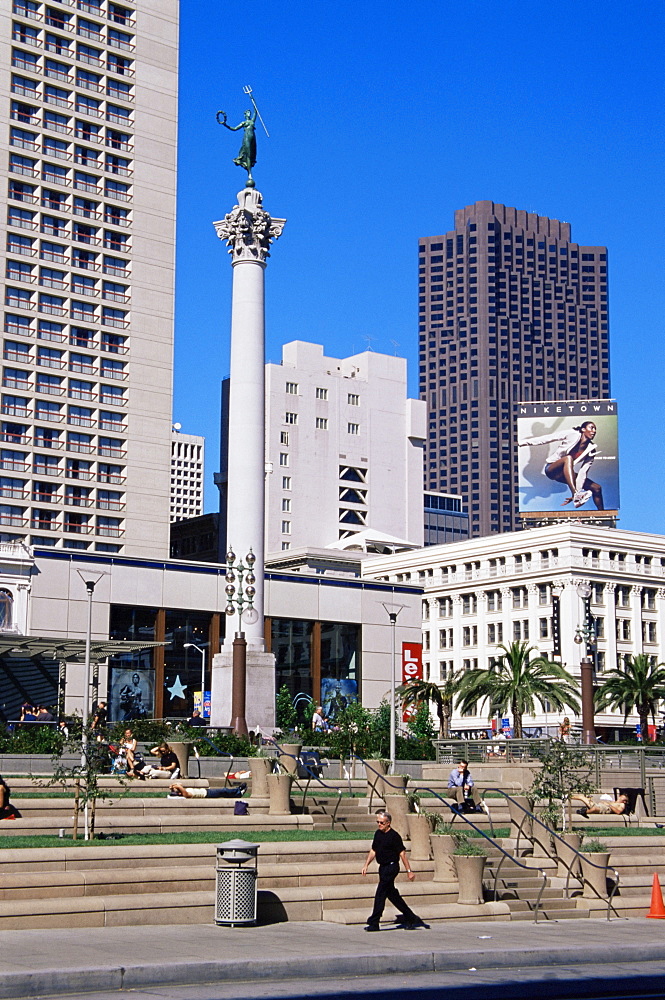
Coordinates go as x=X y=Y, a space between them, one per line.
x=567 y=457
x=412 y=670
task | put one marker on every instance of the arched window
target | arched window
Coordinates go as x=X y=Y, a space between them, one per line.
x=6 y=609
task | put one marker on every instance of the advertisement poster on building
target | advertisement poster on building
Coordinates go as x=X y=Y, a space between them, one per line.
x=336 y=695
x=412 y=670
x=568 y=457
x=132 y=694
x=204 y=708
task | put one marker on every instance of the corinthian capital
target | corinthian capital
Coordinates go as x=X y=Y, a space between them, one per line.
x=248 y=229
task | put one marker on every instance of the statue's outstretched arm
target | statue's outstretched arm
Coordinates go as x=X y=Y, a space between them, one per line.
x=221 y=119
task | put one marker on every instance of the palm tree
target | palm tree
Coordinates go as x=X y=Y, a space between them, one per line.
x=516 y=683
x=441 y=696
x=640 y=685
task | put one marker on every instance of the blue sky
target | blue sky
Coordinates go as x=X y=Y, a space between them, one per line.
x=383 y=120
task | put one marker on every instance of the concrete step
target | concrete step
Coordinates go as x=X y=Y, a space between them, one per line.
x=433 y=912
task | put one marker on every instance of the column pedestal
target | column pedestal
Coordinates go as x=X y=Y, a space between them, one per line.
x=260 y=672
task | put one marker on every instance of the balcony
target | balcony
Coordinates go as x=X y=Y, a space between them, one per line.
x=26 y=64
x=52 y=310
x=113 y=426
x=78 y=529
x=23 y=357
x=85 y=186
x=111 y=532
x=77 y=474
x=13 y=383
x=24 y=11
x=110 y=505
x=19 y=303
x=18 y=168
x=18 y=223
x=30 y=199
x=9 y=465
x=81 y=449
x=13 y=521
x=47 y=497
x=13 y=493
x=57 y=74
x=89 y=85
x=59 y=102
x=11 y=410
x=59 y=258
x=43 y=524
x=46 y=470
x=72 y=501
x=90 y=60
x=50 y=362
x=14 y=437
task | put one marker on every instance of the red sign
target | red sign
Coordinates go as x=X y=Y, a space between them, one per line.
x=412 y=669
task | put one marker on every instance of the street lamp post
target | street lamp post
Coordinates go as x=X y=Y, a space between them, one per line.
x=586 y=634
x=240 y=592
x=192 y=645
x=393 y=610
x=90 y=580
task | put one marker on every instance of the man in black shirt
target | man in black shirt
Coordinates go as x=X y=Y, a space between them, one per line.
x=388 y=847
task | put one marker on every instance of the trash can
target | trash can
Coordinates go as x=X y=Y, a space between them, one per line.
x=236 y=883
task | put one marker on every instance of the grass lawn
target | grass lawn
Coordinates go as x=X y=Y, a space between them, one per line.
x=207 y=837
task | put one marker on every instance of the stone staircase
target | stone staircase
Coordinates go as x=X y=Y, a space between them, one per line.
x=98 y=885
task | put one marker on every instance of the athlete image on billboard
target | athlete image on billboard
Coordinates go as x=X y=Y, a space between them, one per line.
x=567 y=456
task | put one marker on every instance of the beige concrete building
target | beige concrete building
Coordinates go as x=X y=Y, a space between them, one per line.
x=543 y=586
x=88 y=118
x=187 y=467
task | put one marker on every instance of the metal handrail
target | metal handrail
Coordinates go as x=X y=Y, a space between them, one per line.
x=311 y=774
x=221 y=753
x=578 y=854
x=455 y=813
x=491 y=840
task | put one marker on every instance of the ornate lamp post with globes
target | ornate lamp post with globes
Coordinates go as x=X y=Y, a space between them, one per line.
x=586 y=634
x=240 y=593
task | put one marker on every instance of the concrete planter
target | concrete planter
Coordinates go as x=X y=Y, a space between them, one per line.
x=520 y=823
x=398 y=807
x=542 y=842
x=594 y=875
x=395 y=784
x=279 y=789
x=261 y=767
x=566 y=859
x=443 y=847
x=374 y=782
x=470 y=870
x=181 y=750
x=290 y=764
x=420 y=828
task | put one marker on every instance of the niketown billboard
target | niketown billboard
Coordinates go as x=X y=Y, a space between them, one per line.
x=567 y=455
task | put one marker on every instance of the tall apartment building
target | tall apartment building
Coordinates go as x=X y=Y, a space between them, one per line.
x=510 y=310
x=88 y=130
x=344 y=450
x=187 y=464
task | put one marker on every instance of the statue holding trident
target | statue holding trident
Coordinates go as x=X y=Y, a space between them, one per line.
x=246 y=158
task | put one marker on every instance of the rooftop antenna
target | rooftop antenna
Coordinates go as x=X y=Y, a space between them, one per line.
x=248 y=90
x=369 y=340
x=395 y=344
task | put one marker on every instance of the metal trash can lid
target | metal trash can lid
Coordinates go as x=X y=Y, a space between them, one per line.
x=239 y=850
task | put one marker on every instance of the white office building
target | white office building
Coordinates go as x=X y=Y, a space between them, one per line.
x=88 y=131
x=344 y=452
x=187 y=466
x=487 y=591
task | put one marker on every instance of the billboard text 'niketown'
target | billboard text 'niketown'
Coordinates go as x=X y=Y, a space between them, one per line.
x=568 y=456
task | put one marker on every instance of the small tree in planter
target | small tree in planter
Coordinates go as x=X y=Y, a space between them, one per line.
x=564 y=771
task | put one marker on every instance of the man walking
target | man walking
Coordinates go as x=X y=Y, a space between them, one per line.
x=388 y=848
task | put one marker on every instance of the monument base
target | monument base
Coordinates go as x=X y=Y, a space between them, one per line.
x=260 y=709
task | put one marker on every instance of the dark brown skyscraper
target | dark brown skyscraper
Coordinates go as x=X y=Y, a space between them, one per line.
x=510 y=310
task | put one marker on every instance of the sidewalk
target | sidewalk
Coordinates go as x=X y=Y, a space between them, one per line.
x=75 y=960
